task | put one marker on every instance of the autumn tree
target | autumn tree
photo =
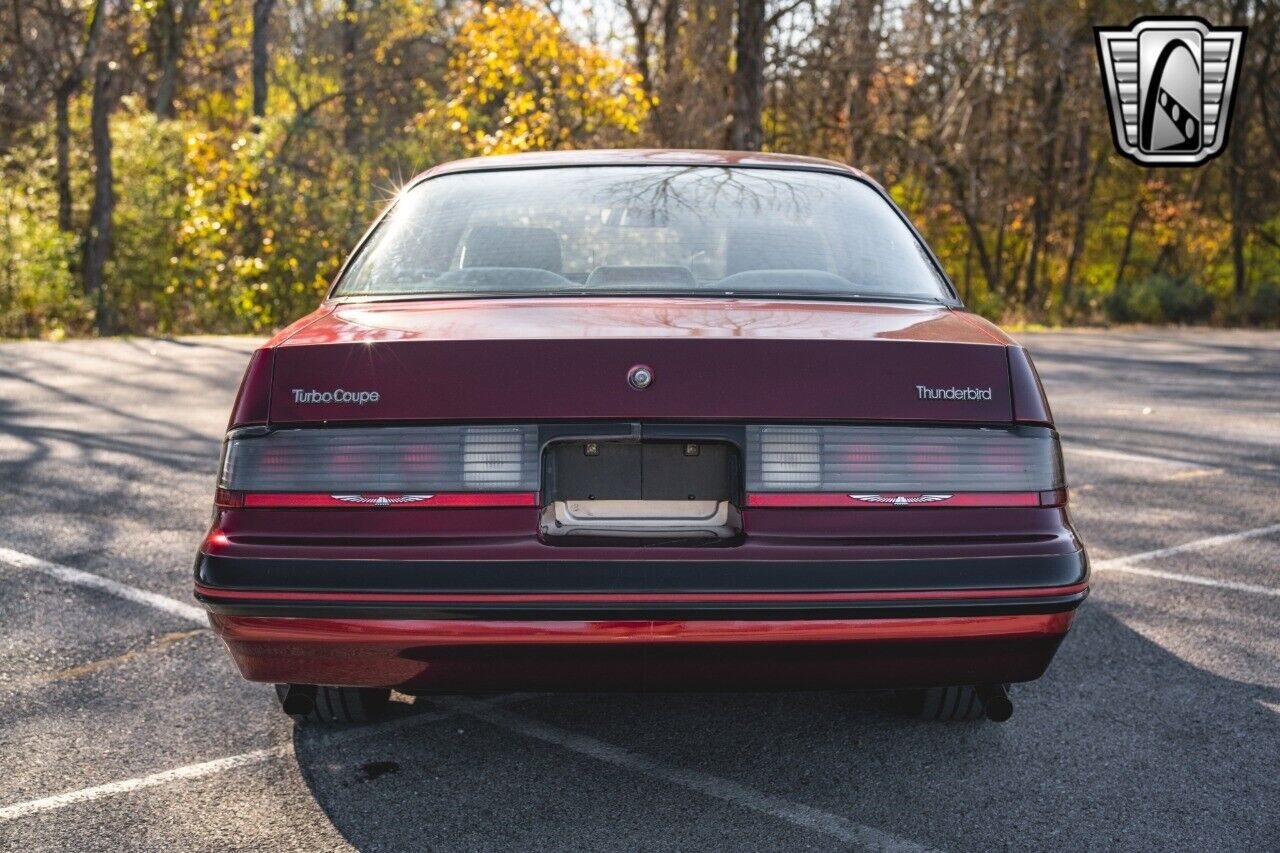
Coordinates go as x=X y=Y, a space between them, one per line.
x=517 y=82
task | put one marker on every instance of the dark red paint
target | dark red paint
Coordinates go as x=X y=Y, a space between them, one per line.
x=568 y=358
x=463 y=656
x=713 y=359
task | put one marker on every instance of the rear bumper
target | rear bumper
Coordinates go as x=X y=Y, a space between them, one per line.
x=642 y=625
x=461 y=656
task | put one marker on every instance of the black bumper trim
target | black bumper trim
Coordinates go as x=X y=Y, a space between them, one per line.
x=639 y=576
x=658 y=611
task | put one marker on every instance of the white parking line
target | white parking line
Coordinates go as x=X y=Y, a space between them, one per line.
x=164 y=777
x=797 y=814
x=231 y=762
x=1123 y=456
x=66 y=574
x=1194 y=579
x=1124 y=564
x=714 y=786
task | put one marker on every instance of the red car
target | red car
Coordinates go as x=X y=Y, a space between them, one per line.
x=648 y=420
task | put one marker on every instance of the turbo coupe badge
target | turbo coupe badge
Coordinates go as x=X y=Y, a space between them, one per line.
x=1170 y=83
x=337 y=395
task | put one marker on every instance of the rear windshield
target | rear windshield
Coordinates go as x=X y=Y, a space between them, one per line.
x=675 y=230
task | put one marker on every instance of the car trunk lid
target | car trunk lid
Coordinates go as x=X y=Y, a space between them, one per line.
x=543 y=359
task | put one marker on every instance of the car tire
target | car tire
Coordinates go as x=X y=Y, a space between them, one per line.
x=943 y=704
x=342 y=706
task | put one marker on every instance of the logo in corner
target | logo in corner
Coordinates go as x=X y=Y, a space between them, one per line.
x=1170 y=84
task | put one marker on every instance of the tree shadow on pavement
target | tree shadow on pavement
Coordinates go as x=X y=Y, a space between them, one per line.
x=1120 y=745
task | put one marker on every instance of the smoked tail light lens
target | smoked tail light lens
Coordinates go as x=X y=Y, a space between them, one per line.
x=903 y=466
x=381 y=466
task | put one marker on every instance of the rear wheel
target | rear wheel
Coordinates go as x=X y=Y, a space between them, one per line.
x=943 y=704
x=344 y=705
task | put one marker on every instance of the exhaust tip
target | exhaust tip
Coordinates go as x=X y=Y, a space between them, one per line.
x=298 y=699
x=996 y=703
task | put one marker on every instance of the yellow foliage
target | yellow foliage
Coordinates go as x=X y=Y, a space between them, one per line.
x=517 y=82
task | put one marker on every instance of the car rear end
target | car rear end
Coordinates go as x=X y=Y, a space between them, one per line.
x=621 y=491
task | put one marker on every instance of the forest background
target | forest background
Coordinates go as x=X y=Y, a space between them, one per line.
x=177 y=166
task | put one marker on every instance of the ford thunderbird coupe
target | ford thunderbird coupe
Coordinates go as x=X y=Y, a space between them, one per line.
x=641 y=420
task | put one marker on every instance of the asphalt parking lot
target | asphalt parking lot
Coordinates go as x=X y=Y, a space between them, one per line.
x=123 y=724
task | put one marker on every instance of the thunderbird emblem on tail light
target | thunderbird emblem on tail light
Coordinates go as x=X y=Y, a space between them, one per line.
x=899 y=500
x=382 y=500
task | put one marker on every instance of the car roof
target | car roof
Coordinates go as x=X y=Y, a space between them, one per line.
x=640 y=157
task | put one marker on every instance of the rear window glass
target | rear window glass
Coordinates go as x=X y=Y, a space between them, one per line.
x=682 y=230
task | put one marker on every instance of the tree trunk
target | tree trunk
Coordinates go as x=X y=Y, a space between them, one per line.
x=670 y=34
x=261 y=58
x=662 y=113
x=865 y=65
x=1238 y=174
x=62 y=120
x=352 y=125
x=976 y=242
x=62 y=145
x=1093 y=168
x=746 y=131
x=97 y=236
x=166 y=58
x=173 y=30
x=1239 y=211
x=1043 y=203
x=1128 y=241
x=643 y=49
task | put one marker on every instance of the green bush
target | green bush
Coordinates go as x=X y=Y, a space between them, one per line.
x=1259 y=308
x=1160 y=298
x=39 y=293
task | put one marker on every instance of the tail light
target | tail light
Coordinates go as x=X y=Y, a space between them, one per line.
x=881 y=466
x=381 y=466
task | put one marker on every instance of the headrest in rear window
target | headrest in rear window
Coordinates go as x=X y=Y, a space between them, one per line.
x=756 y=246
x=511 y=246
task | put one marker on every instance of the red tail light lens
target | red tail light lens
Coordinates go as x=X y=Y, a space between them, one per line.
x=431 y=464
x=864 y=465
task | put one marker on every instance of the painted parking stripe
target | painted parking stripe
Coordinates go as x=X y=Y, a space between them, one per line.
x=231 y=762
x=66 y=574
x=1125 y=564
x=805 y=817
x=164 y=777
x=800 y=815
x=1124 y=456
